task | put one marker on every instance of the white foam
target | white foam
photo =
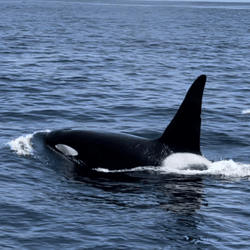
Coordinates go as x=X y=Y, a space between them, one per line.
x=191 y=164
x=229 y=169
x=125 y=170
x=224 y=169
x=22 y=145
x=246 y=112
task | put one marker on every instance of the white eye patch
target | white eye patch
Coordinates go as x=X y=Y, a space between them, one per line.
x=66 y=150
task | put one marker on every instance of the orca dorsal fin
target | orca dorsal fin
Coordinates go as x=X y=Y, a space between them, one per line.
x=183 y=132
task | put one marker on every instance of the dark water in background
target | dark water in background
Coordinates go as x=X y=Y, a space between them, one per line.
x=123 y=66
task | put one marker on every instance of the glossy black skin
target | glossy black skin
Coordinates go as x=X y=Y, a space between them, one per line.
x=121 y=151
x=109 y=150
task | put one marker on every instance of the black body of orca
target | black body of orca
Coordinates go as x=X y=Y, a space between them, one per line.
x=115 y=151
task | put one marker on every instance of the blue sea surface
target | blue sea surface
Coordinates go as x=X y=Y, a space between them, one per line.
x=123 y=66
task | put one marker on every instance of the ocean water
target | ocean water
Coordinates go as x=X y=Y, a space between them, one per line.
x=123 y=66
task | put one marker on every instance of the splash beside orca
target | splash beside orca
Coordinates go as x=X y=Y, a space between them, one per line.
x=116 y=151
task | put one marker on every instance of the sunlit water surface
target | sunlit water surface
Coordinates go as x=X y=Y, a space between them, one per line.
x=123 y=66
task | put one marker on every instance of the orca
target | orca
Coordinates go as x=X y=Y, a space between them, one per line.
x=116 y=151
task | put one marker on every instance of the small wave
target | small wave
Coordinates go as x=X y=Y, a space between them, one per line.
x=23 y=144
x=230 y=169
x=190 y=164
x=246 y=112
x=224 y=169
